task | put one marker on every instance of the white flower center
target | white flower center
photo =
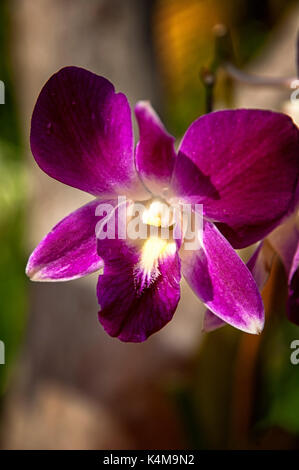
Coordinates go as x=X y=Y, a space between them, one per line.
x=158 y=214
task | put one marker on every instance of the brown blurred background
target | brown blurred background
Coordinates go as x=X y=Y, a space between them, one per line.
x=66 y=384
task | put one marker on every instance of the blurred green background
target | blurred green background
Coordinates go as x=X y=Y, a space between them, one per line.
x=225 y=389
x=12 y=216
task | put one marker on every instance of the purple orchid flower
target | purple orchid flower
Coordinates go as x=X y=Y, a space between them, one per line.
x=241 y=165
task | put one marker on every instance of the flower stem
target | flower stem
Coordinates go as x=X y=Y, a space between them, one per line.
x=208 y=79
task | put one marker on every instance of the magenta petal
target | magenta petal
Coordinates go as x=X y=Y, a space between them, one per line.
x=135 y=304
x=293 y=300
x=69 y=250
x=222 y=281
x=245 y=165
x=285 y=240
x=295 y=262
x=259 y=265
x=81 y=134
x=211 y=322
x=155 y=154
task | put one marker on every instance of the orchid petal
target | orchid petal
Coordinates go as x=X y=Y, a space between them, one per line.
x=259 y=265
x=81 y=134
x=245 y=167
x=223 y=282
x=69 y=251
x=284 y=240
x=155 y=154
x=139 y=289
x=293 y=282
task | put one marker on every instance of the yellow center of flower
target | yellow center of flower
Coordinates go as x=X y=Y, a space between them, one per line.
x=158 y=214
x=153 y=250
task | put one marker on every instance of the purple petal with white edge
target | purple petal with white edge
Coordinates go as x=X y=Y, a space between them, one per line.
x=259 y=265
x=293 y=299
x=81 y=134
x=155 y=153
x=245 y=166
x=139 y=289
x=69 y=251
x=223 y=282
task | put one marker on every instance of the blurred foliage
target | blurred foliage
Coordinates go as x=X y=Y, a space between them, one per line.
x=183 y=40
x=204 y=400
x=184 y=43
x=242 y=391
x=9 y=122
x=278 y=378
x=12 y=222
